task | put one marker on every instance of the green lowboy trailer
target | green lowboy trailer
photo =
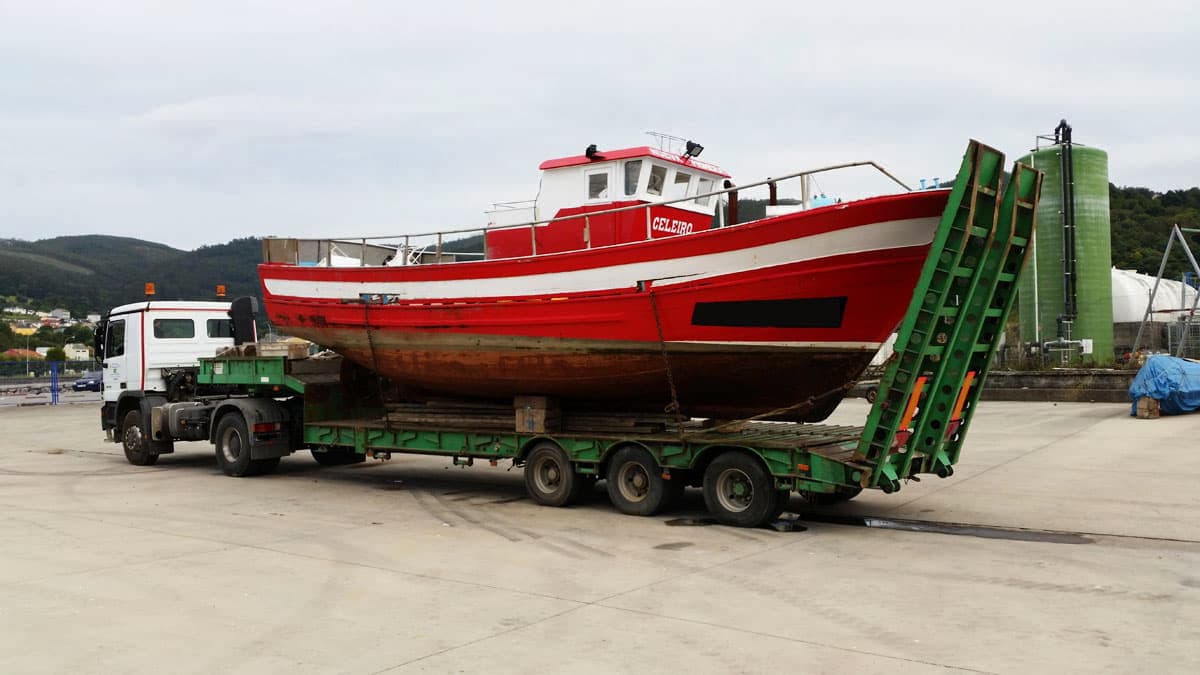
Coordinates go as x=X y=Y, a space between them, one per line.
x=257 y=408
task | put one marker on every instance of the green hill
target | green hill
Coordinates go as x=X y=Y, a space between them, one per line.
x=1142 y=220
x=93 y=273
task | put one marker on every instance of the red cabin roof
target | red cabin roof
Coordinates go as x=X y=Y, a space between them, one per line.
x=632 y=153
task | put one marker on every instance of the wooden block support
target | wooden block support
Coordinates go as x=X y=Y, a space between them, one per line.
x=1147 y=408
x=291 y=350
x=537 y=415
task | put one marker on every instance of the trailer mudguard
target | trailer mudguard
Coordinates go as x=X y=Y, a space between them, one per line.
x=258 y=411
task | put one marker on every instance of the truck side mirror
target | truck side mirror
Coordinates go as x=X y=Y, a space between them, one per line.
x=242 y=311
x=98 y=338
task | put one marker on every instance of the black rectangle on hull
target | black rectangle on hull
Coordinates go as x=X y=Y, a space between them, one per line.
x=793 y=313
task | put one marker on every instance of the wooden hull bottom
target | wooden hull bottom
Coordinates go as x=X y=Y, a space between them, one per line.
x=711 y=380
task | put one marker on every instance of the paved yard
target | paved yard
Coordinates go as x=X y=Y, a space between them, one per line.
x=417 y=566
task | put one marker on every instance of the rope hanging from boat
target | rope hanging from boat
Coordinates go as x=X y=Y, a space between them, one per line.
x=803 y=405
x=662 y=345
x=387 y=422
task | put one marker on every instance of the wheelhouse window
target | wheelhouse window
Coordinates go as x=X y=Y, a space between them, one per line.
x=704 y=185
x=174 y=329
x=679 y=187
x=220 y=328
x=658 y=177
x=633 y=172
x=597 y=185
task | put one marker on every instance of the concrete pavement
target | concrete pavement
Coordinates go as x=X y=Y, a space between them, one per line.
x=416 y=566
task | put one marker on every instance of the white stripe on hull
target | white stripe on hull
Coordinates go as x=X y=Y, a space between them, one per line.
x=872 y=237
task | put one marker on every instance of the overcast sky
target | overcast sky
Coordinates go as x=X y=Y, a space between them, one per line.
x=194 y=123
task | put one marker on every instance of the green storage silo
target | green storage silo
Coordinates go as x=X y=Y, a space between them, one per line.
x=1069 y=274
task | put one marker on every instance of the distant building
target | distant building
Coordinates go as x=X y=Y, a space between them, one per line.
x=93 y=318
x=76 y=351
x=22 y=328
x=60 y=313
x=42 y=351
x=17 y=310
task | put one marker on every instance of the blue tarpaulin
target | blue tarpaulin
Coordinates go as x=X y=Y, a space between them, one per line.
x=1174 y=383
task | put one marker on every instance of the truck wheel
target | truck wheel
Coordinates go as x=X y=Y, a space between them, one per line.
x=133 y=438
x=739 y=491
x=233 y=449
x=338 y=457
x=549 y=477
x=635 y=483
x=842 y=494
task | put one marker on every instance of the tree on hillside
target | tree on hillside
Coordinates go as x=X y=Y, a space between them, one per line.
x=8 y=339
x=47 y=337
x=1141 y=222
x=81 y=333
x=56 y=354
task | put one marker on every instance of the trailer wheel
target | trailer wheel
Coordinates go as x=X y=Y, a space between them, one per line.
x=137 y=446
x=842 y=494
x=635 y=483
x=739 y=491
x=549 y=477
x=338 y=457
x=233 y=449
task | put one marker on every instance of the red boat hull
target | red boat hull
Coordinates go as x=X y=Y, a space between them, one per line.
x=745 y=320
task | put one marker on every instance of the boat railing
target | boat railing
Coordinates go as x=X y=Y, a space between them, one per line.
x=442 y=246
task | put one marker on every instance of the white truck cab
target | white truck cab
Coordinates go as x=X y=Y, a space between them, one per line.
x=153 y=396
x=151 y=352
x=144 y=341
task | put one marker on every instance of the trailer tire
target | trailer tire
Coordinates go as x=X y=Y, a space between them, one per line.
x=739 y=491
x=232 y=441
x=549 y=477
x=134 y=440
x=842 y=494
x=635 y=483
x=338 y=457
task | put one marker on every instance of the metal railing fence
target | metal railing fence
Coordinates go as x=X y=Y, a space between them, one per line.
x=385 y=249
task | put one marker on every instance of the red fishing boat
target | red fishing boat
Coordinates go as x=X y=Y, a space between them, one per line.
x=631 y=286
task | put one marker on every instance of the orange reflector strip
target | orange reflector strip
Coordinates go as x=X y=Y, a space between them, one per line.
x=962 y=395
x=802 y=467
x=912 y=402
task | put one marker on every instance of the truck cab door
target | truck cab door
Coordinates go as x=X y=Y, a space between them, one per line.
x=115 y=372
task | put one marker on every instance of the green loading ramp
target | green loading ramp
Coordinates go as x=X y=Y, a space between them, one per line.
x=954 y=323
